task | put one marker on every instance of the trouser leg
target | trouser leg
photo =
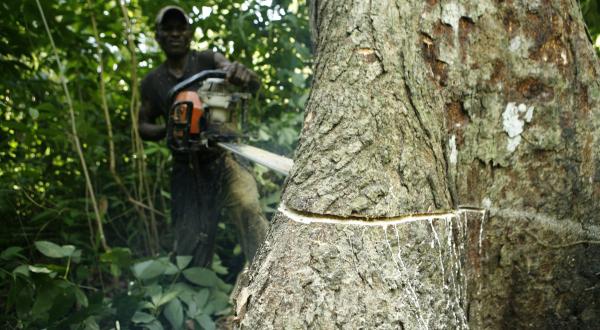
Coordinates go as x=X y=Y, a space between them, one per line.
x=193 y=211
x=240 y=200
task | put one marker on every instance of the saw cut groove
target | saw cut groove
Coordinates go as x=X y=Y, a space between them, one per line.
x=309 y=218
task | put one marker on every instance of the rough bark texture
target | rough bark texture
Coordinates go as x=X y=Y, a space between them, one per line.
x=327 y=276
x=372 y=143
x=520 y=83
x=422 y=106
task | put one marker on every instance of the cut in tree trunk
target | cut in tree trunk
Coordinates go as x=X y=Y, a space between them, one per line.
x=425 y=107
x=395 y=274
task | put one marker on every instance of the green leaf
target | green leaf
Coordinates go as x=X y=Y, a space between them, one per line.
x=115 y=270
x=11 y=252
x=218 y=267
x=23 y=270
x=201 y=298
x=51 y=250
x=225 y=287
x=200 y=276
x=141 y=317
x=68 y=250
x=148 y=269
x=218 y=301
x=188 y=296
x=183 y=261
x=298 y=80
x=34 y=113
x=118 y=256
x=167 y=297
x=147 y=305
x=170 y=268
x=174 y=313
x=192 y=308
x=90 y=324
x=81 y=297
x=155 y=293
x=154 y=325
x=45 y=299
x=206 y=322
x=21 y=297
x=40 y=270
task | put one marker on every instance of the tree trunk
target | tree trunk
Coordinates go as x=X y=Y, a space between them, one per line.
x=422 y=115
x=523 y=111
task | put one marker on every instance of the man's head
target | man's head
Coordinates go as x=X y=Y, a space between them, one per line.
x=173 y=31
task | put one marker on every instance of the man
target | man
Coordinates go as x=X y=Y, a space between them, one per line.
x=209 y=183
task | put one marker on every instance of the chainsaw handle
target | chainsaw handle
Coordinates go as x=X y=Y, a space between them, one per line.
x=200 y=76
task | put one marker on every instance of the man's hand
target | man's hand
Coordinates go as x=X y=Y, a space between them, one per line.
x=239 y=75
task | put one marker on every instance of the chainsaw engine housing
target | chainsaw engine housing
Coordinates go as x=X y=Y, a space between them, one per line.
x=210 y=113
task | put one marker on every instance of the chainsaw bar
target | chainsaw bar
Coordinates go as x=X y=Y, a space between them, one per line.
x=275 y=162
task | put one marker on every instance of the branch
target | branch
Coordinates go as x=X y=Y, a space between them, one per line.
x=78 y=148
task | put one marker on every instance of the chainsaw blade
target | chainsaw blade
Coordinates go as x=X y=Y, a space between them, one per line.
x=275 y=162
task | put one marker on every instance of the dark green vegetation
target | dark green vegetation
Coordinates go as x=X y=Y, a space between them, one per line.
x=591 y=14
x=81 y=252
x=85 y=279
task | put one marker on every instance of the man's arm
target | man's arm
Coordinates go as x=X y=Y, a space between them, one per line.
x=147 y=126
x=237 y=73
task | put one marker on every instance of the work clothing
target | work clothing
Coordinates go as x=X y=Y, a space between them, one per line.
x=207 y=185
x=204 y=191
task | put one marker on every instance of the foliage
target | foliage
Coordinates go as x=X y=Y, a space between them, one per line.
x=167 y=299
x=105 y=48
x=47 y=294
x=162 y=292
x=591 y=14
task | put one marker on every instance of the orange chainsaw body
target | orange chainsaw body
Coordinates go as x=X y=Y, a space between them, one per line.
x=203 y=110
x=185 y=102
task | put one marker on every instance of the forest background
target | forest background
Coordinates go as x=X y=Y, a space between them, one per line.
x=84 y=202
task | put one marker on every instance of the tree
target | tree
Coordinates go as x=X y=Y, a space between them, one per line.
x=447 y=174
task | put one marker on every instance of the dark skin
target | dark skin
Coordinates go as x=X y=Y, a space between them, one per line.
x=174 y=37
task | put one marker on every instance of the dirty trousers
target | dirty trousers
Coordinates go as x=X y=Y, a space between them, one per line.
x=203 y=191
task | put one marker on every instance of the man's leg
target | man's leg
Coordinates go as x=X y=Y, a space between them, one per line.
x=193 y=211
x=240 y=200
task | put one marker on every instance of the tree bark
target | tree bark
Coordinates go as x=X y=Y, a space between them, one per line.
x=523 y=111
x=422 y=115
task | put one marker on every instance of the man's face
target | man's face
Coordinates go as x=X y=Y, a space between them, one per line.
x=174 y=35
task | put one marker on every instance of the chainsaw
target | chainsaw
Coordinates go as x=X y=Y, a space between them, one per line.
x=212 y=114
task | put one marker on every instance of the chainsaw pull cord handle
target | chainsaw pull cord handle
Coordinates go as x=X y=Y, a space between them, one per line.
x=198 y=77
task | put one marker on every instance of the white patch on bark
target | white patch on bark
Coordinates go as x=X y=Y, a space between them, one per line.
x=533 y=5
x=513 y=143
x=451 y=14
x=515 y=43
x=486 y=203
x=355 y=147
x=513 y=120
x=453 y=150
x=520 y=45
